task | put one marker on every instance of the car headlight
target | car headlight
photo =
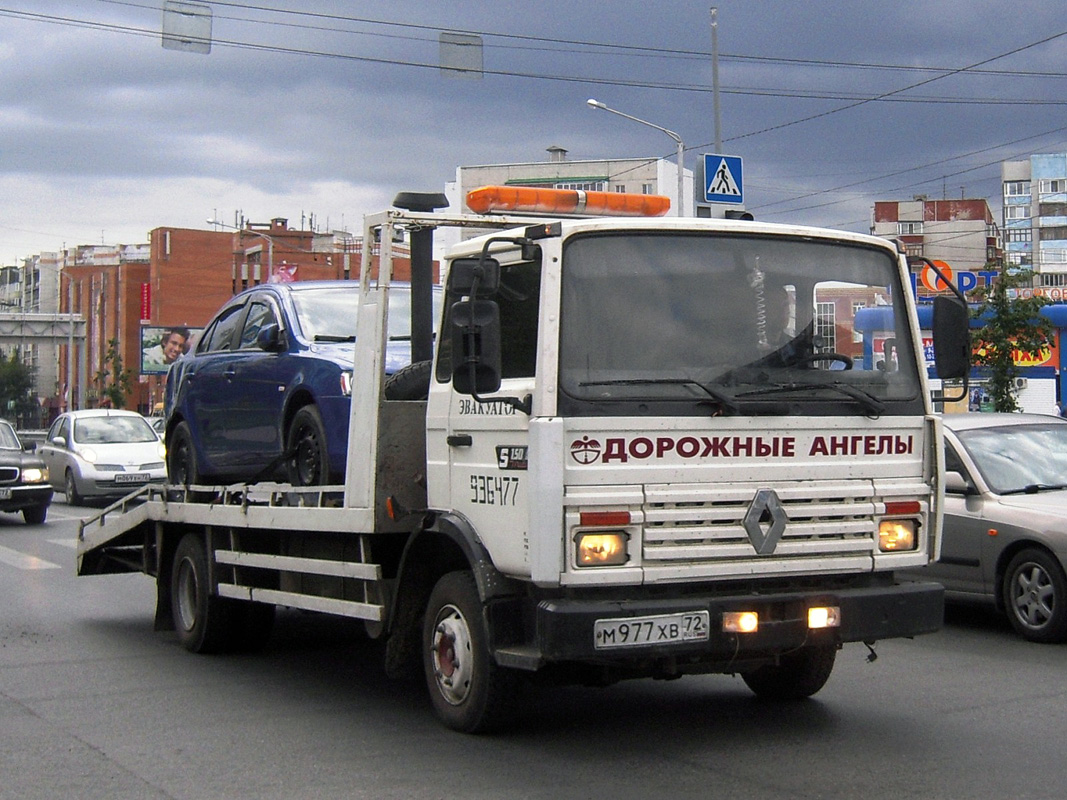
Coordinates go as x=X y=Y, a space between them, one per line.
x=346 y=383
x=162 y=450
x=34 y=474
x=601 y=549
x=88 y=454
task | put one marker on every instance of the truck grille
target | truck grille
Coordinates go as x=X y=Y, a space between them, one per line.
x=827 y=521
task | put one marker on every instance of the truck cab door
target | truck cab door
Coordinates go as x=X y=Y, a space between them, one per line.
x=477 y=449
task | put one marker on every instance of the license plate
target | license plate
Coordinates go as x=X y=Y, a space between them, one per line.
x=132 y=477
x=5 y=494
x=689 y=626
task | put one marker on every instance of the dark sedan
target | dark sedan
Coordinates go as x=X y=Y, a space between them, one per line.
x=23 y=479
x=265 y=393
x=1005 y=532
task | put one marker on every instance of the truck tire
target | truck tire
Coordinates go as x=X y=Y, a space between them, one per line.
x=204 y=621
x=409 y=383
x=798 y=675
x=470 y=693
x=309 y=462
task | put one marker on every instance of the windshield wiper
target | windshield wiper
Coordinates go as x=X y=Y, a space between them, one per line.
x=870 y=403
x=1034 y=488
x=725 y=401
x=333 y=337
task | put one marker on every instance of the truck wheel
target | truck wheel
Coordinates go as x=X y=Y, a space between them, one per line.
x=73 y=498
x=181 y=460
x=35 y=515
x=204 y=622
x=797 y=675
x=309 y=462
x=1035 y=596
x=469 y=691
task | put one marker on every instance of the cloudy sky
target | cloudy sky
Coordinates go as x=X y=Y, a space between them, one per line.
x=324 y=110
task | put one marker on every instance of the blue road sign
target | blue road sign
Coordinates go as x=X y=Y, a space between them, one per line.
x=723 y=179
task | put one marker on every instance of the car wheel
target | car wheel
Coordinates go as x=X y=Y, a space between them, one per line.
x=181 y=460
x=469 y=691
x=308 y=463
x=797 y=675
x=73 y=497
x=1035 y=596
x=35 y=515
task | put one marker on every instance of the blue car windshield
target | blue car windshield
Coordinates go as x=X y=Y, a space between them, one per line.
x=331 y=312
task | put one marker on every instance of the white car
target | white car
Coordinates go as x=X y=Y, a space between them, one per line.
x=102 y=453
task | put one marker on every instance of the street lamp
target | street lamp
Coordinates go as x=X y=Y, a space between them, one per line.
x=678 y=140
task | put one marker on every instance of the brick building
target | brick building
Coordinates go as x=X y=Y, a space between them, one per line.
x=179 y=280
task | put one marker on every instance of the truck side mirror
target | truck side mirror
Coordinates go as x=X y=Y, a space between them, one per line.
x=467 y=276
x=476 y=347
x=952 y=338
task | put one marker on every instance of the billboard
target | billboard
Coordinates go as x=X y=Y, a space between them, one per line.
x=161 y=347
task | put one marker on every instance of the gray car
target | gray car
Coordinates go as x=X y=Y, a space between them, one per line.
x=1005 y=532
x=102 y=453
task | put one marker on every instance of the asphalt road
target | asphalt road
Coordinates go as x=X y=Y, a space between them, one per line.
x=94 y=704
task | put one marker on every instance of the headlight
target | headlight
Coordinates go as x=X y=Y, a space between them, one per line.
x=896 y=534
x=88 y=454
x=162 y=450
x=34 y=474
x=601 y=549
x=346 y=384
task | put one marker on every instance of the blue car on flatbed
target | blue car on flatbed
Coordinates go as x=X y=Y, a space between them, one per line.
x=265 y=392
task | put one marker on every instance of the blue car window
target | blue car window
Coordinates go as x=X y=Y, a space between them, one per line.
x=222 y=331
x=259 y=315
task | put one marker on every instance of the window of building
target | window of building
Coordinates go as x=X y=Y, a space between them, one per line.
x=646 y=188
x=1016 y=259
x=1054 y=256
x=1053 y=186
x=825 y=328
x=1053 y=209
x=620 y=187
x=1016 y=212
x=1053 y=232
x=1053 y=280
x=1016 y=188
x=1019 y=235
x=909 y=228
x=913 y=249
x=583 y=186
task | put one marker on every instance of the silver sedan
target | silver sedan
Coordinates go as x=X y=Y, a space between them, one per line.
x=102 y=453
x=1005 y=532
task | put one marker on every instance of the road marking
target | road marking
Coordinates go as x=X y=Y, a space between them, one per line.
x=71 y=543
x=23 y=561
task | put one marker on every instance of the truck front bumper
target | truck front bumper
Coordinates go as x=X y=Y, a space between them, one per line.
x=565 y=628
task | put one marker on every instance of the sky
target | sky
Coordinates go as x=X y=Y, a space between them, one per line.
x=321 y=111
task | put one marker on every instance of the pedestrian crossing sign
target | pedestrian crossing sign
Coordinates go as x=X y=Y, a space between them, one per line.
x=723 y=179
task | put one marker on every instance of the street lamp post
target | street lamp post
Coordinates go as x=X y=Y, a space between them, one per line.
x=677 y=139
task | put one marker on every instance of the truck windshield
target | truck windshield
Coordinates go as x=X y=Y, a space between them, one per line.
x=672 y=322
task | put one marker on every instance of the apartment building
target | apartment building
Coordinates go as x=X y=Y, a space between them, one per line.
x=1035 y=216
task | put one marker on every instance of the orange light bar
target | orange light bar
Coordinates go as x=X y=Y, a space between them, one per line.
x=566 y=201
x=902 y=508
x=601 y=519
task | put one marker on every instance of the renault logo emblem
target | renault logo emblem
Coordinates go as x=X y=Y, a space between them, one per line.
x=765 y=521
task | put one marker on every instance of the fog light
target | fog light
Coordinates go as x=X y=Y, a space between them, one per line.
x=601 y=549
x=824 y=617
x=896 y=534
x=740 y=622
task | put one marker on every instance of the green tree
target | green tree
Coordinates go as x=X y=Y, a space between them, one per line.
x=17 y=398
x=113 y=382
x=1013 y=327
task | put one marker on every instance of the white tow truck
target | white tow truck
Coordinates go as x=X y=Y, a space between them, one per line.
x=633 y=450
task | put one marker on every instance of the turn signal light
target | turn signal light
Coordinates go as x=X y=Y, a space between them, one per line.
x=740 y=622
